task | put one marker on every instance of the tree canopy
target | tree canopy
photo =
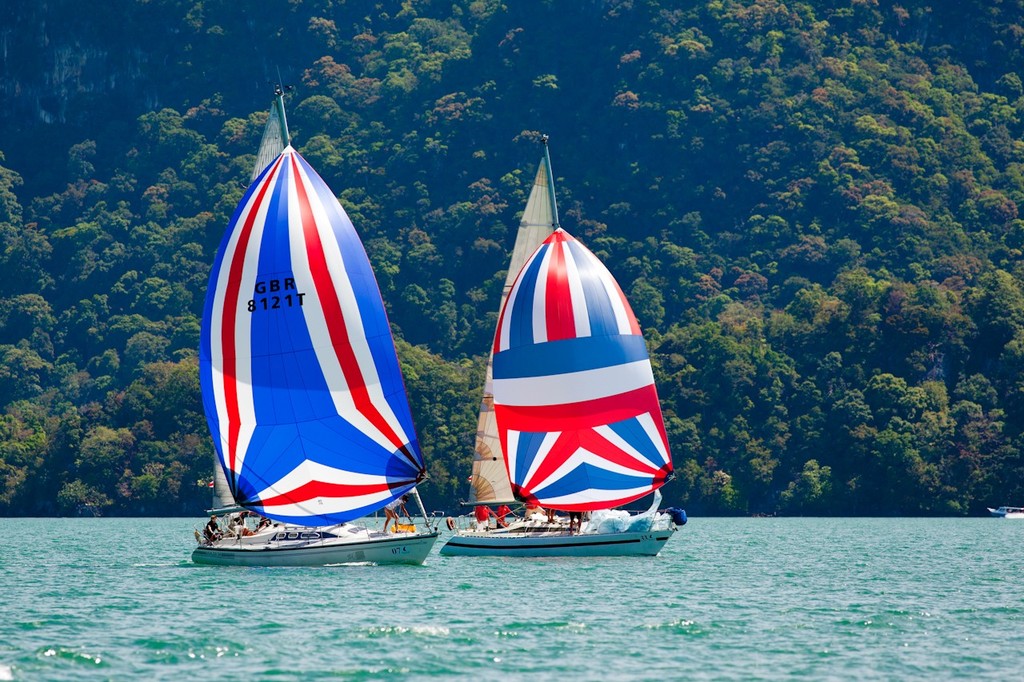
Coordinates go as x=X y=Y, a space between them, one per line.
x=813 y=207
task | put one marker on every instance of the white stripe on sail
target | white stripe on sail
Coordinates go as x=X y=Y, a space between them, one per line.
x=540 y=322
x=573 y=387
x=512 y=455
x=580 y=314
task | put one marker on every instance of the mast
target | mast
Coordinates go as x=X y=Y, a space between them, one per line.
x=282 y=119
x=551 y=183
x=275 y=134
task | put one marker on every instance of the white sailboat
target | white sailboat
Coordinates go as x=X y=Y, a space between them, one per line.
x=301 y=383
x=570 y=417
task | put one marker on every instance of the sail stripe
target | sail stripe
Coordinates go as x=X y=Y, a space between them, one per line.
x=574 y=387
x=336 y=323
x=570 y=355
x=576 y=415
x=314 y=489
x=577 y=296
x=558 y=305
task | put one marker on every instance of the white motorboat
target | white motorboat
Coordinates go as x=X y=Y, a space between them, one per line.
x=1007 y=512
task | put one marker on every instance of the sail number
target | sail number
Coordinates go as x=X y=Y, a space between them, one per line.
x=400 y=550
x=274 y=294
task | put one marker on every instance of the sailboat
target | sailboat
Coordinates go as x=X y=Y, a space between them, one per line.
x=570 y=418
x=301 y=384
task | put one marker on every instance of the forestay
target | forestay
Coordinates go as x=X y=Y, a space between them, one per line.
x=300 y=381
x=576 y=405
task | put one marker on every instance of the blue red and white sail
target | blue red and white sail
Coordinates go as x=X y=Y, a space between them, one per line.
x=574 y=394
x=300 y=380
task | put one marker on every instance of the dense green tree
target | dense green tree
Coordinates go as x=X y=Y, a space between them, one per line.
x=814 y=209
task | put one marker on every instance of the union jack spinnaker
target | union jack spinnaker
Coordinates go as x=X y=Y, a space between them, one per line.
x=574 y=396
x=300 y=380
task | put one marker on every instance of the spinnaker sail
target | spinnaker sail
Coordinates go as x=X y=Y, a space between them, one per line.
x=574 y=396
x=300 y=379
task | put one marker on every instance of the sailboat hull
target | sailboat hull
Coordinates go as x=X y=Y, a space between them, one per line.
x=383 y=549
x=557 y=544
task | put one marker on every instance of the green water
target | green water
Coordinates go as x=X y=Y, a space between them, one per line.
x=857 y=599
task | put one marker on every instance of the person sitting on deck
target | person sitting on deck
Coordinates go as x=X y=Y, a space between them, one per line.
x=238 y=527
x=212 y=531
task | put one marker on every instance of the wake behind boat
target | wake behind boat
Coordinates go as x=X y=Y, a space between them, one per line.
x=570 y=418
x=301 y=384
x=1007 y=512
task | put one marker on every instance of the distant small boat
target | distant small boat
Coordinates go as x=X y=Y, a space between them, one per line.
x=301 y=384
x=1007 y=512
x=570 y=418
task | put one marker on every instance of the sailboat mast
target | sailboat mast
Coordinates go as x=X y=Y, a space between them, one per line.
x=282 y=119
x=551 y=183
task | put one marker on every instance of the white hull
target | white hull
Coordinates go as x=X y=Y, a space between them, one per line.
x=1007 y=512
x=358 y=545
x=557 y=543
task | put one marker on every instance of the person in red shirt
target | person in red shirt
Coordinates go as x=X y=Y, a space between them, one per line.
x=483 y=513
x=503 y=511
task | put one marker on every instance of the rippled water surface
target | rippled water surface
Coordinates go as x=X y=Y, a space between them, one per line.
x=816 y=599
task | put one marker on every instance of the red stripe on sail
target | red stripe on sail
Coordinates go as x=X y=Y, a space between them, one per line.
x=335 y=318
x=314 y=489
x=230 y=311
x=558 y=313
x=581 y=415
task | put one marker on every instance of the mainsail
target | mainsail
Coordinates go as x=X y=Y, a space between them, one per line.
x=489 y=483
x=300 y=380
x=574 y=396
x=275 y=135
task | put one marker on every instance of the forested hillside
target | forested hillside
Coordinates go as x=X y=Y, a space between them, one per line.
x=813 y=207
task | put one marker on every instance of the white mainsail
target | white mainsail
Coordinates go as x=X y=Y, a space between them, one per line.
x=489 y=483
x=275 y=135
